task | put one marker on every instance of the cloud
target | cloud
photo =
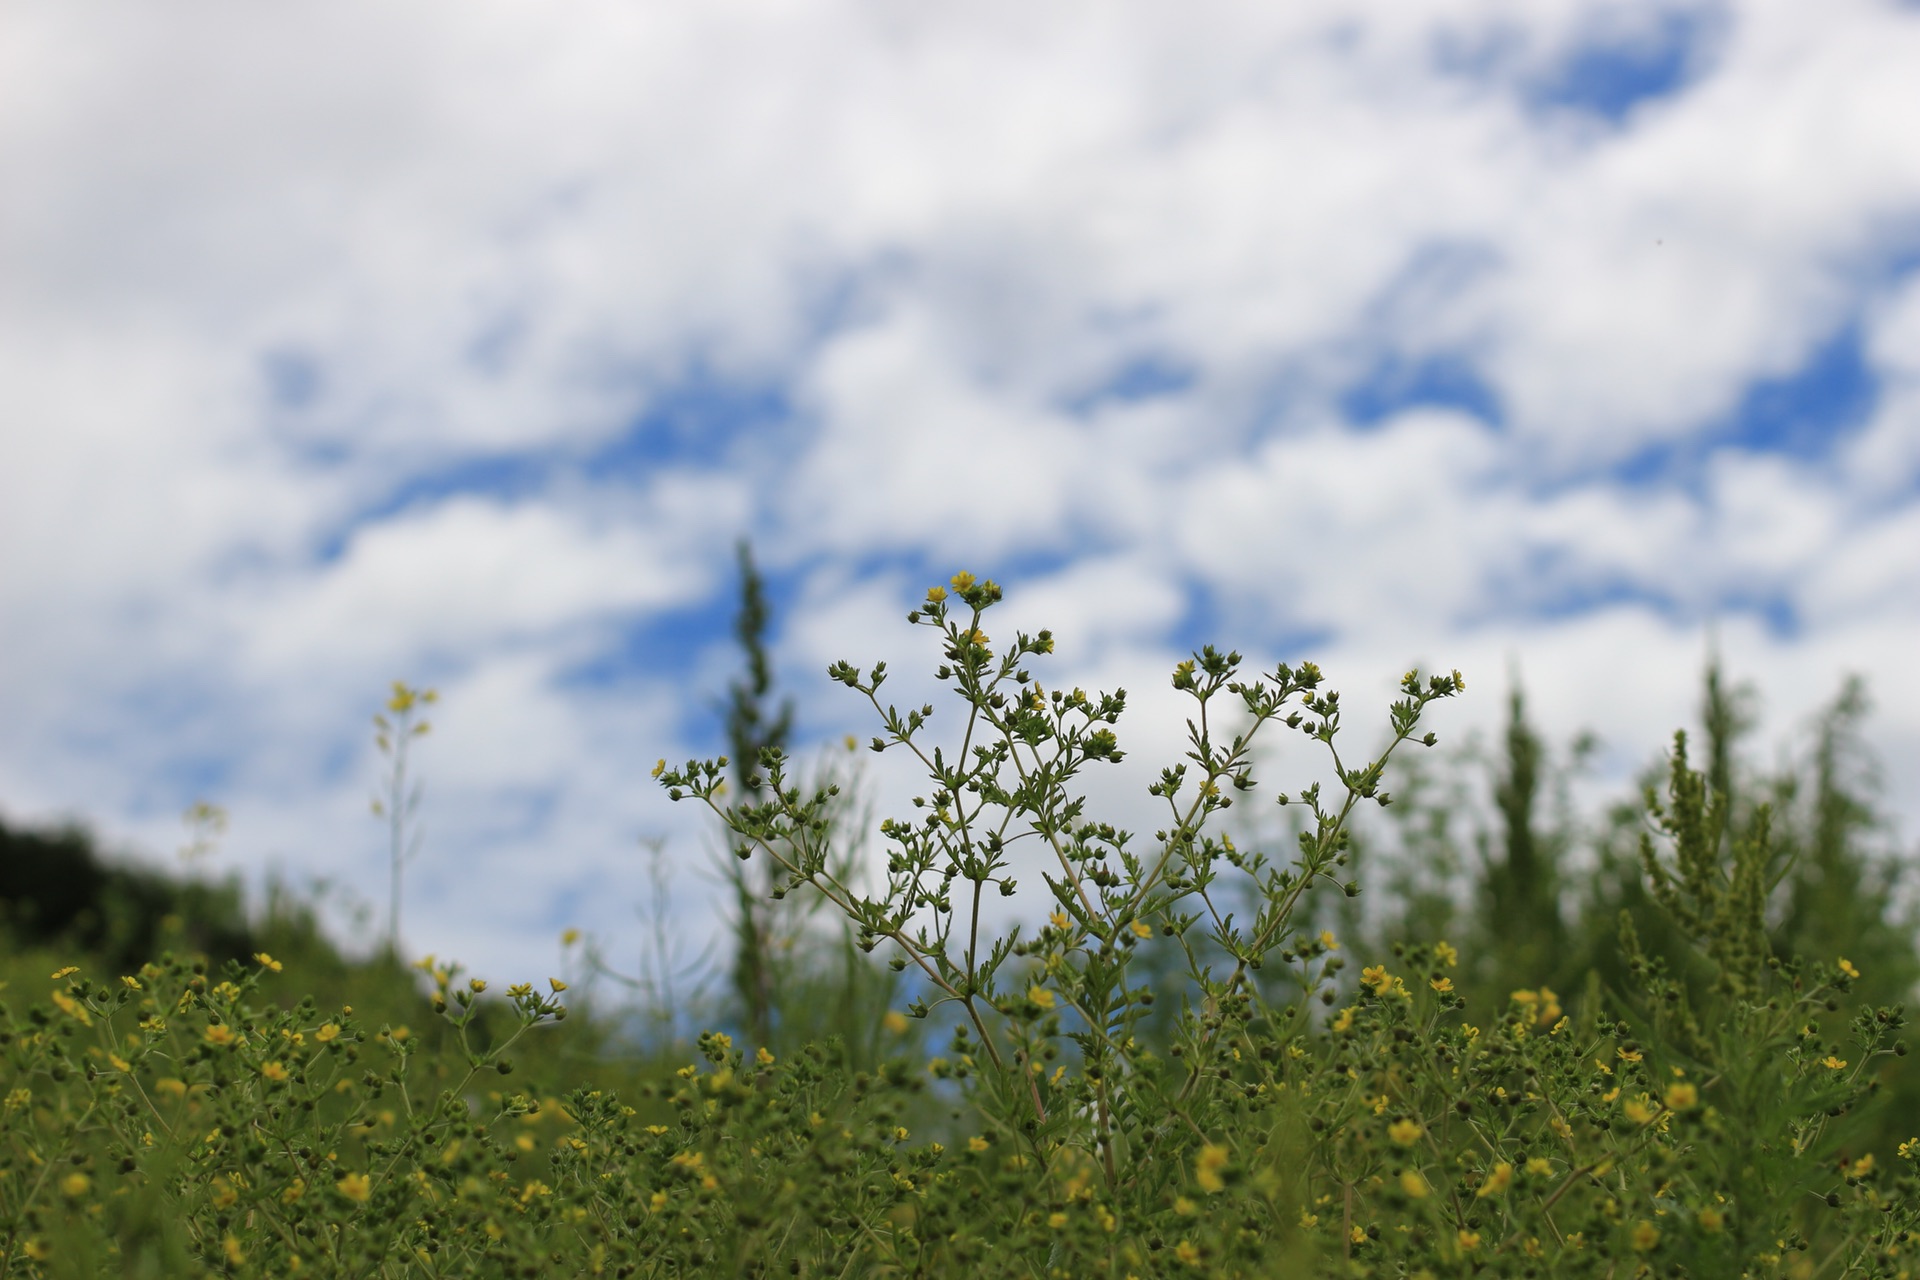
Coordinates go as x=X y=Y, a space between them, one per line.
x=457 y=343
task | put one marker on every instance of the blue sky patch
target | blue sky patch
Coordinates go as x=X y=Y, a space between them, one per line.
x=1612 y=78
x=1397 y=383
x=1146 y=377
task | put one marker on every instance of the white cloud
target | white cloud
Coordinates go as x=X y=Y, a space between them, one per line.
x=269 y=268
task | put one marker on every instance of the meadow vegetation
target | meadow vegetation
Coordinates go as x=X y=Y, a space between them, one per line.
x=1404 y=1024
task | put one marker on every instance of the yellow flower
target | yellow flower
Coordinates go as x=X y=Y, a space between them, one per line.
x=1834 y=1064
x=1469 y=1241
x=557 y=985
x=274 y=1071
x=763 y=1056
x=37 y=1249
x=1345 y=1021
x=1328 y=941
x=1377 y=977
x=73 y=1008
x=1413 y=1184
x=268 y=962
x=1445 y=954
x=1629 y=1055
x=1540 y=1166
x=961 y=581
x=231 y=1247
x=1058 y=919
x=1207 y=1166
x=1499 y=1178
x=1187 y=1253
x=221 y=1034
x=1846 y=967
x=295 y=1189
x=1056 y=1220
x=131 y=984
x=75 y=1185
x=1862 y=1167
x=355 y=1187
x=1710 y=1220
x=1908 y=1150
x=1040 y=996
x=977 y=1143
x=1646 y=1236
x=1681 y=1095
x=1639 y=1110
x=1441 y=984
x=1141 y=929
x=65 y=972
x=936 y=594
x=1405 y=1131
x=895 y=1021
x=327 y=1033
x=660 y=766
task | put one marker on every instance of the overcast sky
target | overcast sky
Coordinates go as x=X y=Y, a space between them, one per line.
x=458 y=342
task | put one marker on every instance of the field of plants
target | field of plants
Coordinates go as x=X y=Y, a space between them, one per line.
x=1418 y=1018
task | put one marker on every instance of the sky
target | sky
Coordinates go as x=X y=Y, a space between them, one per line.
x=458 y=343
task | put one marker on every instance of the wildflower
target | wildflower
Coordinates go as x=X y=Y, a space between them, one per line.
x=1187 y=1253
x=355 y=1187
x=75 y=1185
x=131 y=983
x=1056 y=1220
x=1141 y=929
x=1207 y=1166
x=1328 y=941
x=1908 y=1150
x=1342 y=1023
x=1540 y=1167
x=1184 y=1207
x=1681 y=1095
x=73 y=1008
x=660 y=766
x=1710 y=1220
x=327 y=1033
x=37 y=1249
x=274 y=1071
x=977 y=1143
x=1862 y=1167
x=231 y=1247
x=221 y=1034
x=936 y=594
x=268 y=962
x=1832 y=1063
x=557 y=985
x=1358 y=1235
x=1446 y=955
x=1377 y=977
x=1441 y=985
x=66 y=972
x=1469 y=1241
x=295 y=1189
x=1498 y=1180
x=1639 y=1110
x=1405 y=1131
x=763 y=1056
x=20 y=1098
x=895 y=1021
x=1846 y=967
x=961 y=581
x=1629 y=1055
x=1041 y=996
x=1414 y=1184
x=1646 y=1236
